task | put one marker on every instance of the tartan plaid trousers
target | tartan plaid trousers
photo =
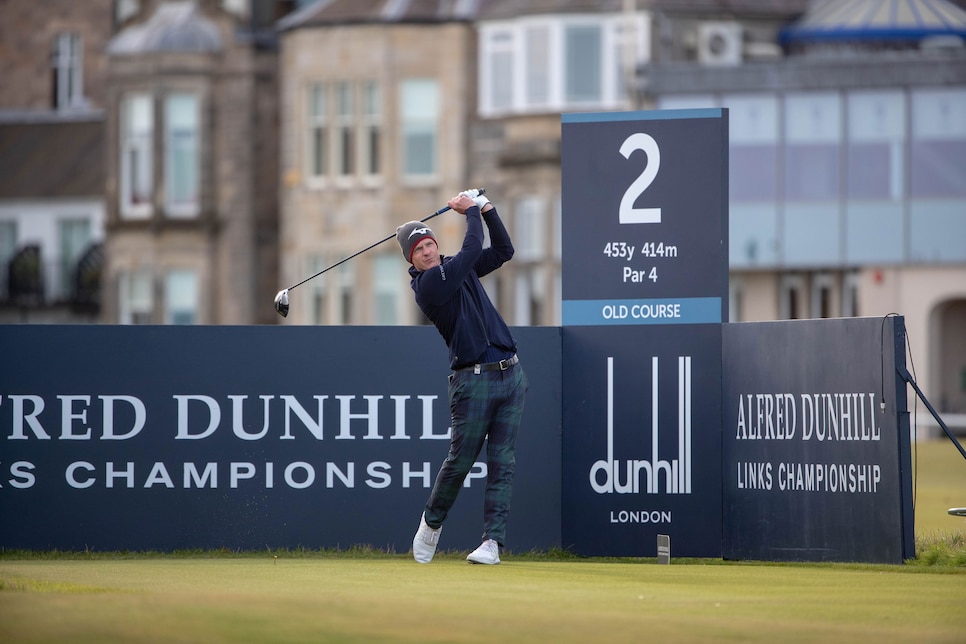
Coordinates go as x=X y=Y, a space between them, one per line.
x=488 y=405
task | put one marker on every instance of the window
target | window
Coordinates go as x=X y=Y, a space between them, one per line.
x=790 y=297
x=938 y=164
x=345 y=121
x=531 y=295
x=136 y=298
x=582 y=77
x=181 y=297
x=68 y=71
x=318 y=136
x=554 y=63
x=537 y=39
x=529 y=230
x=371 y=128
x=736 y=292
x=813 y=133
x=75 y=239
x=344 y=130
x=318 y=292
x=8 y=248
x=181 y=155
x=420 y=114
x=137 y=173
x=850 y=295
x=753 y=148
x=821 y=304
x=499 y=69
x=876 y=144
x=387 y=289
x=347 y=285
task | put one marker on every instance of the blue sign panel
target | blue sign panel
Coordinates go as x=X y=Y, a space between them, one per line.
x=645 y=274
x=180 y=437
x=816 y=464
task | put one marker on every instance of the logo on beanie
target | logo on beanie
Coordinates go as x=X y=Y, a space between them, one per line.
x=419 y=231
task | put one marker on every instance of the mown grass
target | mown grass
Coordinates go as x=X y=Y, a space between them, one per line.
x=325 y=597
x=365 y=594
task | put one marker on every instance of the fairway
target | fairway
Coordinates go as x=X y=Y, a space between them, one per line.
x=377 y=597
x=255 y=599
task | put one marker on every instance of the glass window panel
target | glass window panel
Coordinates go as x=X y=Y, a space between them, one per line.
x=869 y=171
x=347 y=286
x=387 y=289
x=497 y=56
x=813 y=118
x=527 y=236
x=752 y=118
x=501 y=80
x=938 y=163
x=538 y=65
x=938 y=169
x=75 y=238
x=68 y=69
x=181 y=297
x=136 y=298
x=346 y=137
x=182 y=153
x=583 y=54
x=318 y=136
x=812 y=172
x=137 y=174
x=753 y=173
x=8 y=248
x=372 y=131
x=876 y=143
x=813 y=146
x=420 y=109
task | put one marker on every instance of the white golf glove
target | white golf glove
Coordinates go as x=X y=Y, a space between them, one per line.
x=478 y=199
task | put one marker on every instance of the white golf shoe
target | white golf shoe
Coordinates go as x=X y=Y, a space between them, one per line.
x=425 y=541
x=487 y=553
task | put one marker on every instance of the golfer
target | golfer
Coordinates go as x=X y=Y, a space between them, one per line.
x=487 y=386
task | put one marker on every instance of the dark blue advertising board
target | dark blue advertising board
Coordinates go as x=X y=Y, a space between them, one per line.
x=165 y=438
x=645 y=274
x=816 y=462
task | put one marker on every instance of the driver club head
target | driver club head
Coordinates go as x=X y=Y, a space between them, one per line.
x=281 y=303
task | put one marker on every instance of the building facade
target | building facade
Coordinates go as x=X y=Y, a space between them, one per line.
x=52 y=208
x=376 y=103
x=192 y=165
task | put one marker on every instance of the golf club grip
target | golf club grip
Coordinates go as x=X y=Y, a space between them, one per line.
x=381 y=241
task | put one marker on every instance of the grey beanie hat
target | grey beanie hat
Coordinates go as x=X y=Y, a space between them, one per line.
x=410 y=234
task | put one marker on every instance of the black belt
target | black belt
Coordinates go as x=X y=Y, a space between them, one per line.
x=502 y=365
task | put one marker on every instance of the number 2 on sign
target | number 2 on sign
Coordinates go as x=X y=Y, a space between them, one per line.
x=628 y=213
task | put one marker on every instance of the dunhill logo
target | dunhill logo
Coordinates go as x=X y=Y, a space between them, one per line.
x=633 y=476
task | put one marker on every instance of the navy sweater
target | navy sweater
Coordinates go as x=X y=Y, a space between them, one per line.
x=452 y=297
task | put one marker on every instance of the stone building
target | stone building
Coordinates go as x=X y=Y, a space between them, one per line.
x=376 y=98
x=192 y=164
x=52 y=99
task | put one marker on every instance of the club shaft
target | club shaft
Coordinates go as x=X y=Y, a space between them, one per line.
x=367 y=248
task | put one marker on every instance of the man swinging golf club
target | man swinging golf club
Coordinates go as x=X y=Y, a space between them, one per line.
x=487 y=385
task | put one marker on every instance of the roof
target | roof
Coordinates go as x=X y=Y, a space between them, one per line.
x=876 y=21
x=340 y=12
x=44 y=159
x=174 y=26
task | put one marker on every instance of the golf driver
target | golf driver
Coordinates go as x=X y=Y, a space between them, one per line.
x=281 y=298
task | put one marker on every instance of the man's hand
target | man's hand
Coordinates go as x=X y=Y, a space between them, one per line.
x=479 y=199
x=460 y=203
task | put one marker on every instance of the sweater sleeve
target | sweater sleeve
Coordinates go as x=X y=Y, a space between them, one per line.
x=501 y=248
x=440 y=283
